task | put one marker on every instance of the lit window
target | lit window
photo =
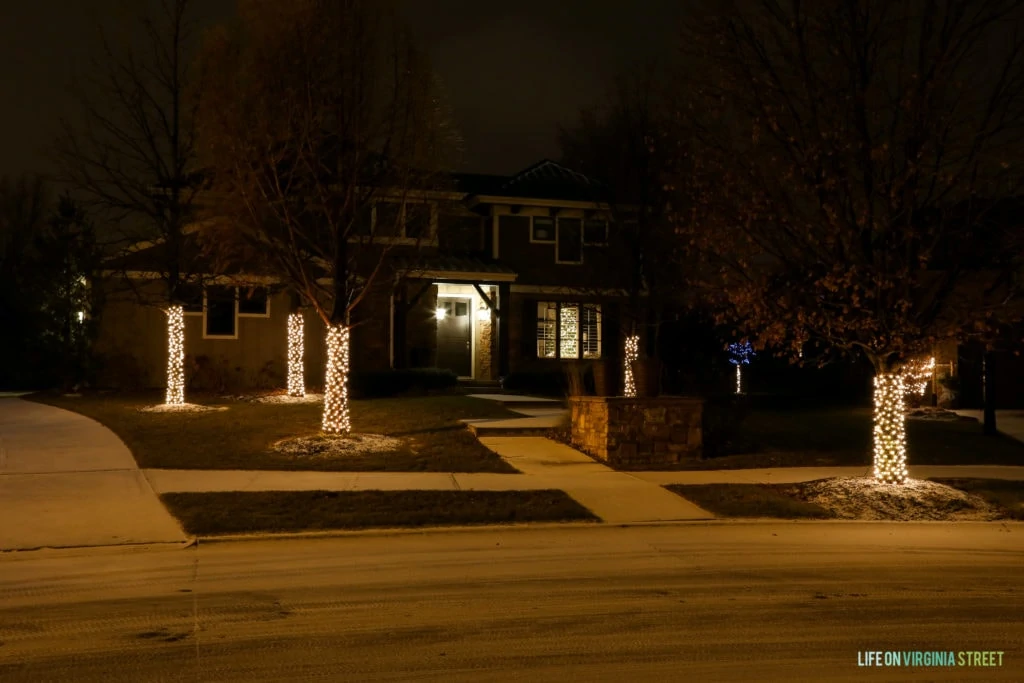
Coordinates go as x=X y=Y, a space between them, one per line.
x=543 y=229
x=590 y=331
x=568 y=330
x=547 y=327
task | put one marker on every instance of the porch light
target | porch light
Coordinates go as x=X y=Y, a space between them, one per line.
x=439 y=313
x=483 y=314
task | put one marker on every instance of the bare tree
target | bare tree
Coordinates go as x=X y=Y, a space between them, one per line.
x=845 y=155
x=131 y=154
x=621 y=144
x=317 y=109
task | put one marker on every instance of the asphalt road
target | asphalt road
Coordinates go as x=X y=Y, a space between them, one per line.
x=701 y=602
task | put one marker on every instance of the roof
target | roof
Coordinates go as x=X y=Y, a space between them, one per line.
x=455 y=267
x=545 y=180
x=154 y=257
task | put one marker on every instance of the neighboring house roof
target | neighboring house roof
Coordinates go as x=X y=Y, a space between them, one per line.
x=544 y=180
x=155 y=257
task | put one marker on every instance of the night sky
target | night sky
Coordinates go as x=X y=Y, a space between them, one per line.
x=512 y=70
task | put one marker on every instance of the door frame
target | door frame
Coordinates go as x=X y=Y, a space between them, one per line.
x=472 y=331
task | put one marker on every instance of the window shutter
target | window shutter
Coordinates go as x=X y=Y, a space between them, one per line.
x=528 y=330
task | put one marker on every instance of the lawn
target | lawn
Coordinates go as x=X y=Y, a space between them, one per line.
x=240 y=437
x=749 y=500
x=1008 y=495
x=282 y=511
x=806 y=437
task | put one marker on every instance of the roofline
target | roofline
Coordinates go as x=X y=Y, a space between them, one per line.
x=475 y=200
x=460 y=275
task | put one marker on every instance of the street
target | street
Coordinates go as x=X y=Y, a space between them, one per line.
x=711 y=601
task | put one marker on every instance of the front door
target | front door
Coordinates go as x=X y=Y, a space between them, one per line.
x=454 y=350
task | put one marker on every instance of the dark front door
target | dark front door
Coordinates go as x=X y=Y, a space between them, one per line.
x=454 y=351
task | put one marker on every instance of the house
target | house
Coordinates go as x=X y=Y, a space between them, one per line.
x=493 y=276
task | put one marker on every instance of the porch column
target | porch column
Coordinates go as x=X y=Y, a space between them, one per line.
x=504 y=309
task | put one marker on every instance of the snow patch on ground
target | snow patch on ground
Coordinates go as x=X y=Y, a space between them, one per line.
x=941 y=414
x=181 y=408
x=277 y=398
x=917 y=500
x=328 y=446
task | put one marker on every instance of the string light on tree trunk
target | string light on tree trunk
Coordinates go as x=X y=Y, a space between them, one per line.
x=890 y=437
x=739 y=379
x=336 y=417
x=917 y=375
x=632 y=353
x=296 y=379
x=740 y=354
x=175 y=356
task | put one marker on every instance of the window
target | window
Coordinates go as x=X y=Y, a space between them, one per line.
x=387 y=219
x=570 y=241
x=568 y=330
x=595 y=232
x=219 y=318
x=253 y=302
x=543 y=229
x=417 y=221
x=547 y=328
x=363 y=221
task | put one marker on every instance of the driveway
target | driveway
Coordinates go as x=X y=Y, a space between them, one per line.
x=66 y=481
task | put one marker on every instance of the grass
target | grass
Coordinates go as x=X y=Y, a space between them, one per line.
x=808 y=437
x=1004 y=494
x=240 y=437
x=284 y=511
x=749 y=500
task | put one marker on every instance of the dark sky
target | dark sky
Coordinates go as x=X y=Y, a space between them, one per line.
x=512 y=70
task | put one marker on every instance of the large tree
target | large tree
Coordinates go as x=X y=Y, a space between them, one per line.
x=844 y=160
x=130 y=153
x=316 y=109
x=48 y=257
x=621 y=143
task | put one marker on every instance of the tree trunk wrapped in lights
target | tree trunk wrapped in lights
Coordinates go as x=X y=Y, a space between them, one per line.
x=336 y=417
x=296 y=378
x=739 y=379
x=632 y=352
x=175 y=356
x=890 y=437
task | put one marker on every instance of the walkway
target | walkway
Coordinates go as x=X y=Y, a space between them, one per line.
x=1008 y=422
x=66 y=480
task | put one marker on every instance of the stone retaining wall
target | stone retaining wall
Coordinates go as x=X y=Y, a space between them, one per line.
x=638 y=431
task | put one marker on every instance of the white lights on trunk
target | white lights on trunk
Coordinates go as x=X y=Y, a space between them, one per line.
x=336 y=417
x=296 y=378
x=739 y=379
x=890 y=436
x=632 y=352
x=175 y=356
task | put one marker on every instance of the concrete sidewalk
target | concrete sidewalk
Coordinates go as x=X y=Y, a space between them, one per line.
x=66 y=480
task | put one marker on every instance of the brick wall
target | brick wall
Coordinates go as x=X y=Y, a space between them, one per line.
x=638 y=431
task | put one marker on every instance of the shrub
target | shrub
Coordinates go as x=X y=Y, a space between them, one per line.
x=382 y=383
x=723 y=415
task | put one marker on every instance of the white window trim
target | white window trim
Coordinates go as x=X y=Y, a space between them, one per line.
x=554 y=224
x=206 y=308
x=557 y=231
x=558 y=328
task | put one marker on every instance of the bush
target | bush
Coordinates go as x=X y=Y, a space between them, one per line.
x=723 y=415
x=545 y=383
x=382 y=383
